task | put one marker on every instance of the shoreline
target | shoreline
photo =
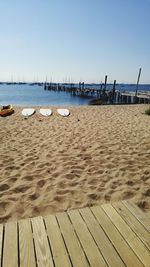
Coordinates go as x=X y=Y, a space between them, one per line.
x=19 y=107
x=98 y=154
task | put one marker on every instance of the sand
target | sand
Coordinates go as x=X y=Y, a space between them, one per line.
x=98 y=154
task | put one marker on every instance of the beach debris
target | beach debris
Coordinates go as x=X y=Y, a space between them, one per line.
x=147 y=111
x=6 y=111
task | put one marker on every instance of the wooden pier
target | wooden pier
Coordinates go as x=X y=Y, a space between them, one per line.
x=111 y=235
x=139 y=98
x=101 y=95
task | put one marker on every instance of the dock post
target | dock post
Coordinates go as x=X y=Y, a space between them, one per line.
x=45 y=86
x=83 y=85
x=101 y=88
x=79 y=85
x=137 y=85
x=113 y=91
x=114 y=86
x=105 y=83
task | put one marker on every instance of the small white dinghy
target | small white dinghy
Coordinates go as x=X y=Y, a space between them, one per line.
x=26 y=112
x=45 y=112
x=63 y=112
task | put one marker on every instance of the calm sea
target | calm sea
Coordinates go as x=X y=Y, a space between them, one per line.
x=28 y=95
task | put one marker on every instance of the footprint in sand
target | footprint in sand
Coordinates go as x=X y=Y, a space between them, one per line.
x=21 y=189
x=93 y=196
x=4 y=187
x=41 y=183
x=147 y=193
x=143 y=204
x=34 y=196
x=130 y=183
x=144 y=178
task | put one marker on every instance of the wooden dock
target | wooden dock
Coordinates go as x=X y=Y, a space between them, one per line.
x=112 y=235
x=101 y=95
x=140 y=98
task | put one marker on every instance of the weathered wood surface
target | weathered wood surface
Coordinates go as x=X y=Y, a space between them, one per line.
x=111 y=235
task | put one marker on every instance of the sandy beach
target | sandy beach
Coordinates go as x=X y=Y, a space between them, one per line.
x=98 y=154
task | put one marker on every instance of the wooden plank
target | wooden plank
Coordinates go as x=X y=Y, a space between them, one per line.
x=74 y=248
x=10 y=253
x=134 y=242
x=1 y=242
x=112 y=258
x=134 y=224
x=133 y=208
x=117 y=240
x=59 y=252
x=141 y=216
x=43 y=254
x=27 y=254
x=90 y=248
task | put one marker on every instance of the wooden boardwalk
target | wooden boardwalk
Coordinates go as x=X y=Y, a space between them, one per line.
x=113 y=235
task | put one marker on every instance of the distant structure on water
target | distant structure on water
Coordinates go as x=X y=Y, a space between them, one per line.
x=97 y=94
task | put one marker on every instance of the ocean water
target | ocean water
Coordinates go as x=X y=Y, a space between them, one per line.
x=34 y=95
x=27 y=95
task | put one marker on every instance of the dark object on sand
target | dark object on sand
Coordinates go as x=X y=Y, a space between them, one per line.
x=147 y=111
x=6 y=111
x=96 y=102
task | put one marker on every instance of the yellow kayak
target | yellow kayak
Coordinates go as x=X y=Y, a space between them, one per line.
x=6 y=110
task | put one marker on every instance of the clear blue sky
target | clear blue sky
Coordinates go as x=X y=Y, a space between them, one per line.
x=76 y=39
